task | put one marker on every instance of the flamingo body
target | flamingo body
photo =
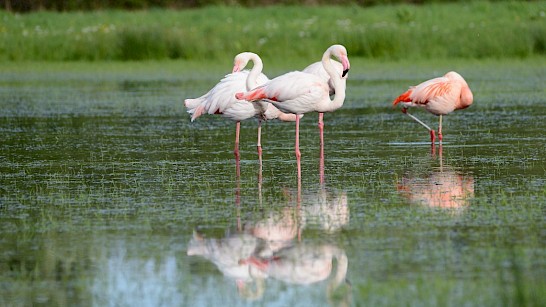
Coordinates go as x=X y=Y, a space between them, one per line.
x=440 y=96
x=295 y=92
x=221 y=100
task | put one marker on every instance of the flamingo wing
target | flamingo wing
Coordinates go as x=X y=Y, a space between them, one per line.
x=432 y=89
x=221 y=97
x=295 y=92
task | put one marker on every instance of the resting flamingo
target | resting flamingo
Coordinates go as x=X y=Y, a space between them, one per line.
x=439 y=96
x=299 y=92
x=221 y=99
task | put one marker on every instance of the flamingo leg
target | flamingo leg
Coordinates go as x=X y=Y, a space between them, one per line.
x=298 y=153
x=321 y=160
x=259 y=146
x=440 y=130
x=432 y=136
x=298 y=210
x=236 y=150
x=238 y=203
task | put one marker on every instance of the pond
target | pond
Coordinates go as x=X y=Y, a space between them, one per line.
x=110 y=196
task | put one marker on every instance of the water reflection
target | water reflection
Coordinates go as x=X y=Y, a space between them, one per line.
x=272 y=248
x=226 y=254
x=441 y=187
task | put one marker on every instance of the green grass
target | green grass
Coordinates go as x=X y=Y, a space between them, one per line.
x=469 y=30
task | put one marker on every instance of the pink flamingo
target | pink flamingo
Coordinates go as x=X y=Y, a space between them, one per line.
x=299 y=92
x=439 y=96
x=221 y=99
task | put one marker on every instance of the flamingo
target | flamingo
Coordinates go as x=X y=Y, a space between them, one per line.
x=318 y=69
x=221 y=100
x=440 y=96
x=300 y=92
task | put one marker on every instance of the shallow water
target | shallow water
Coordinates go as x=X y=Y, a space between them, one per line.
x=110 y=196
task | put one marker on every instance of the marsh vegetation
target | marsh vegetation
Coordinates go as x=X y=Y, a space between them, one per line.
x=107 y=187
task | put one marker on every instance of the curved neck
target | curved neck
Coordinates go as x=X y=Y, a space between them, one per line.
x=339 y=83
x=251 y=80
x=341 y=272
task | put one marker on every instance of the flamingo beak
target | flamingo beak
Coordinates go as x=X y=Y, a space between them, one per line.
x=346 y=66
x=236 y=68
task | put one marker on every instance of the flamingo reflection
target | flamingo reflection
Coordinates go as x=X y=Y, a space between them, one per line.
x=447 y=190
x=330 y=211
x=271 y=247
x=442 y=188
x=304 y=264
x=225 y=253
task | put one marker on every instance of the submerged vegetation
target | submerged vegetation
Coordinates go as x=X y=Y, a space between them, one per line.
x=452 y=30
x=105 y=182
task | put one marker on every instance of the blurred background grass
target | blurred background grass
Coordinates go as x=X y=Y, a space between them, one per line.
x=502 y=29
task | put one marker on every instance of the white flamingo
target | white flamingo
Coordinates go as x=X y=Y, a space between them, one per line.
x=318 y=69
x=299 y=92
x=221 y=99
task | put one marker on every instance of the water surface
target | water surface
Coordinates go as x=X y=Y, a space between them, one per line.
x=110 y=196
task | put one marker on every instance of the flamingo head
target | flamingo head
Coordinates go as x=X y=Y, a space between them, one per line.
x=241 y=60
x=340 y=52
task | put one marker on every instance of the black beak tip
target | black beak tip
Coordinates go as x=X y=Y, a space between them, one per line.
x=345 y=72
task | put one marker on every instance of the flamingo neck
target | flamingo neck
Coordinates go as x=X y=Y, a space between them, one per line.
x=339 y=85
x=341 y=272
x=251 y=80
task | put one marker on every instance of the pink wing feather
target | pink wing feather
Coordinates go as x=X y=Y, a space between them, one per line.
x=431 y=89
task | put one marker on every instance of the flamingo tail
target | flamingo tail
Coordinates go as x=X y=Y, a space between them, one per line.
x=403 y=98
x=194 y=107
x=253 y=95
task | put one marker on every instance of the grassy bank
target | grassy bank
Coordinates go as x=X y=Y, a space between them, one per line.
x=471 y=30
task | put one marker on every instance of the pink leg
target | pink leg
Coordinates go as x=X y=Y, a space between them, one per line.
x=298 y=210
x=238 y=203
x=259 y=146
x=236 y=150
x=440 y=130
x=321 y=159
x=298 y=153
x=432 y=136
